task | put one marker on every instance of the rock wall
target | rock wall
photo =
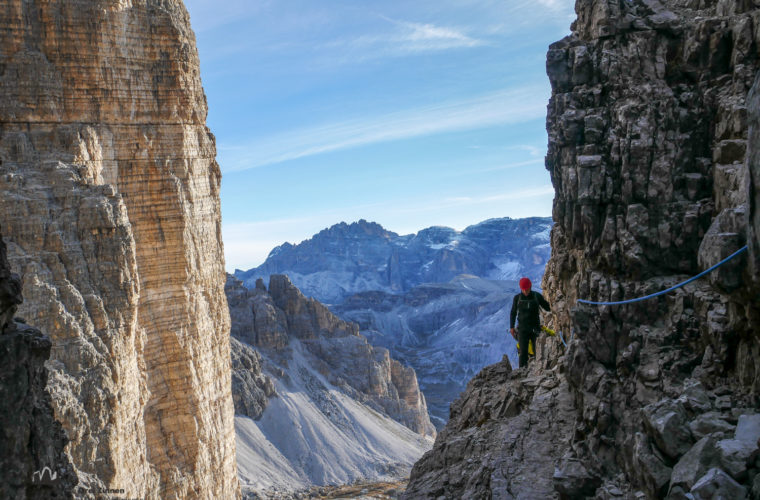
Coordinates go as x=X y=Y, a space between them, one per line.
x=268 y=320
x=31 y=438
x=648 y=135
x=109 y=200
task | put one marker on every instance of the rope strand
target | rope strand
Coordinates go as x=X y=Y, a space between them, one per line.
x=638 y=299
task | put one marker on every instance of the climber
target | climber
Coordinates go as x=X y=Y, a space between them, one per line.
x=525 y=309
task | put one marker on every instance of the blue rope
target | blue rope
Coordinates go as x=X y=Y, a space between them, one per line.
x=713 y=268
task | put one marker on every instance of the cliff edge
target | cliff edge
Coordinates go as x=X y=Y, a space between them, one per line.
x=109 y=195
x=655 y=179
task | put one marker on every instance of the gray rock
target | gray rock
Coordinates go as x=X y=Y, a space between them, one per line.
x=251 y=389
x=695 y=398
x=654 y=474
x=665 y=422
x=695 y=463
x=738 y=455
x=748 y=429
x=709 y=423
x=752 y=183
x=572 y=479
x=715 y=485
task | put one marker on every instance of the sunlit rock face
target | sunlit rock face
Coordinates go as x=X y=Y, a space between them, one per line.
x=32 y=463
x=109 y=201
x=655 y=181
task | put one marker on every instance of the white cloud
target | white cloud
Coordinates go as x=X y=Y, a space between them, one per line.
x=553 y=4
x=416 y=37
x=512 y=106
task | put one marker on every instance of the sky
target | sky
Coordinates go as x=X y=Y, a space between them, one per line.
x=409 y=114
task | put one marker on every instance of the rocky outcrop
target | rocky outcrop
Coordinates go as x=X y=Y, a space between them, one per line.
x=497 y=438
x=109 y=200
x=648 y=128
x=251 y=389
x=268 y=320
x=33 y=463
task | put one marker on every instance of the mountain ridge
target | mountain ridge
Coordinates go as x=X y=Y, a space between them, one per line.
x=350 y=258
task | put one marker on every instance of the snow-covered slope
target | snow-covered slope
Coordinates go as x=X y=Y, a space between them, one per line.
x=313 y=433
x=351 y=258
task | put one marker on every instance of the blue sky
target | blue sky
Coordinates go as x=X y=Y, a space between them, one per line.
x=410 y=114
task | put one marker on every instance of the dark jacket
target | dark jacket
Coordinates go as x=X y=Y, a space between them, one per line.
x=525 y=309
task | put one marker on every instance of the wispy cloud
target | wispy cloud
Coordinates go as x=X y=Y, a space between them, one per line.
x=397 y=39
x=512 y=106
x=416 y=37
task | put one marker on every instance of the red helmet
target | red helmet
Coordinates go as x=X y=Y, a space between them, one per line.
x=525 y=284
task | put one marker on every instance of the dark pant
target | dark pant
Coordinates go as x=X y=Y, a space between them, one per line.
x=526 y=334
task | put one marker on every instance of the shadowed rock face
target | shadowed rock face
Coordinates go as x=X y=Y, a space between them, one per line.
x=109 y=200
x=648 y=126
x=268 y=320
x=31 y=438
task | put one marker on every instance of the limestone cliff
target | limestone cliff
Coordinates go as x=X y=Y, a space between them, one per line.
x=31 y=438
x=648 y=136
x=109 y=201
x=269 y=320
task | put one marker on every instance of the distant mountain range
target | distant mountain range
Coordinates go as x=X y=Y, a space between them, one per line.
x=438 y=300
x=351 y=258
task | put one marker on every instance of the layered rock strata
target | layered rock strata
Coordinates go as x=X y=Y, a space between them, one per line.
x=32 y=464
x=109 y=195
x=648 y=137
x=268 y=320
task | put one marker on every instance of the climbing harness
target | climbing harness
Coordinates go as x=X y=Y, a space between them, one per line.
x=638 y=299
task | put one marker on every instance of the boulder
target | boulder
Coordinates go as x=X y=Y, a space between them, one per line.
x=716 y=484
x=738 y=454
x=654 y=474
x=573 y=480
x=665 y=421
x=708 y=423
x=695 y=397
x=695 y=463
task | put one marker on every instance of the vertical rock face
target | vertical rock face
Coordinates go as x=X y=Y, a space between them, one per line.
x=31 y=438
x=753 y=183
x=648 y=135
x=109 y=195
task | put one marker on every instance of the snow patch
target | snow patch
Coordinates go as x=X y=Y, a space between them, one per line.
x=505 y=270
